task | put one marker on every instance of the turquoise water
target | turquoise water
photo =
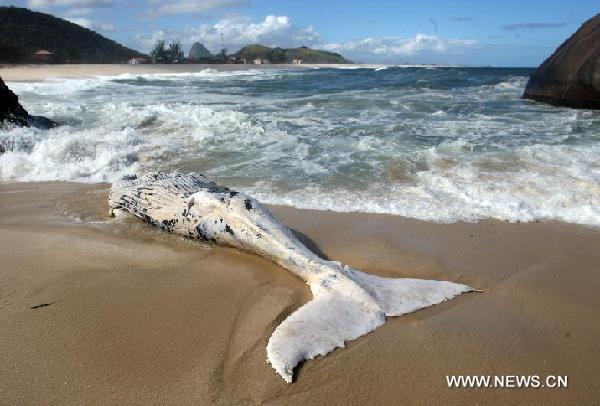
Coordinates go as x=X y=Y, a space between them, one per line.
x=442 y=144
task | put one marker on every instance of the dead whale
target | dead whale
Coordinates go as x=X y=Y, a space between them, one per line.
x=346 y=303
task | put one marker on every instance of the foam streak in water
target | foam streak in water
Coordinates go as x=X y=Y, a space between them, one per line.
x=443 y=144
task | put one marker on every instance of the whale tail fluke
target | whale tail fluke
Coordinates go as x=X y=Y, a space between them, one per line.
x=398 y=296
x=335 y=317
x=317 y=328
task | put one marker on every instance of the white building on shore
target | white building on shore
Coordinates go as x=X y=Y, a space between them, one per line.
x=137 y=60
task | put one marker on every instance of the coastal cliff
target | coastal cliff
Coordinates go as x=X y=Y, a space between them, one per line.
x=571 y=76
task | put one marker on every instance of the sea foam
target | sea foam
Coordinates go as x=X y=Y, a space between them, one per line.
x=448 y=144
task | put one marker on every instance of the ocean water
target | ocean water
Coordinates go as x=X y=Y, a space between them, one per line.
x=440 y=144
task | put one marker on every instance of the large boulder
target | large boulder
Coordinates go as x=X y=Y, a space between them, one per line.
x=571 y=76
x=11 y=111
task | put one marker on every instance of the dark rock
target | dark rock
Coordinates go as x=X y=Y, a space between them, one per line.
x=9 y=102
x=12 y=112
x=571 y=76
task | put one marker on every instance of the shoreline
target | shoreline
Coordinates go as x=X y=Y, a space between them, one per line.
x=38 y=72
x=41 y=72
x=136 y=315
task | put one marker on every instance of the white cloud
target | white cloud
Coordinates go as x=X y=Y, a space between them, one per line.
x=237 y=32
x=240 y=31
x=91 y=25
x=44 y=4
x=106 y=27
x=78 y=12
x=170 y=7
x=84 y=22
x=145 y=42
x=422 y=42
x=420 y=48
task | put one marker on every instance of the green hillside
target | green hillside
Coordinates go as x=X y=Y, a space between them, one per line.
x=23 y=32
x=287 y=55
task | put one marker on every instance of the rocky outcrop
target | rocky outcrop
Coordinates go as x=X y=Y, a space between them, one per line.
x=571 y=76
x=198 y=51
x=11 y=111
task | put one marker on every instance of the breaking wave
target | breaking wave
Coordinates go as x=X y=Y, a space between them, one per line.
x=444 y=144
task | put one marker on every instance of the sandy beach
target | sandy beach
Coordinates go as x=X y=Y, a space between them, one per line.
x=136 y=316
x=421 y=227
x=40 y=72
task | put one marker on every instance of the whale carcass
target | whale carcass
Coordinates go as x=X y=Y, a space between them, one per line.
x=346 y=303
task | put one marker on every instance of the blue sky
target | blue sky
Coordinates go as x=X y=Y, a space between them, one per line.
x=499 y=33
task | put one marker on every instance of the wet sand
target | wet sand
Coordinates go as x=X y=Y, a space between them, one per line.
x=136 y=316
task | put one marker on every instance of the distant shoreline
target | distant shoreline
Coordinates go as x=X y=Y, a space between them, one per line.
x=32 y=72
x=41 y=72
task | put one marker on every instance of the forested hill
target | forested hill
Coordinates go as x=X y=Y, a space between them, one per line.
x=287 y=55
x=23 y=32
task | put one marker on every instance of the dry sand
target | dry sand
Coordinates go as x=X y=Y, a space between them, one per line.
x=137 y=316
x=41 y=72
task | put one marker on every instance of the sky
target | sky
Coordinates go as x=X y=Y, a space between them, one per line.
x=464 y=32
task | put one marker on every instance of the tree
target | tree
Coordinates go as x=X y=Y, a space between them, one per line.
x=276 y=55
x=223 y=55
x=175 y=52
x=171 y=54
x=159 y=52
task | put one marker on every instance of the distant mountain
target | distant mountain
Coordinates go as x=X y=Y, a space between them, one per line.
x=24 y=32
x=198 y=51
x=287 y=55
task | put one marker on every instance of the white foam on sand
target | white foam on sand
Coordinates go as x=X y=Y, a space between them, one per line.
x=463 y=191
